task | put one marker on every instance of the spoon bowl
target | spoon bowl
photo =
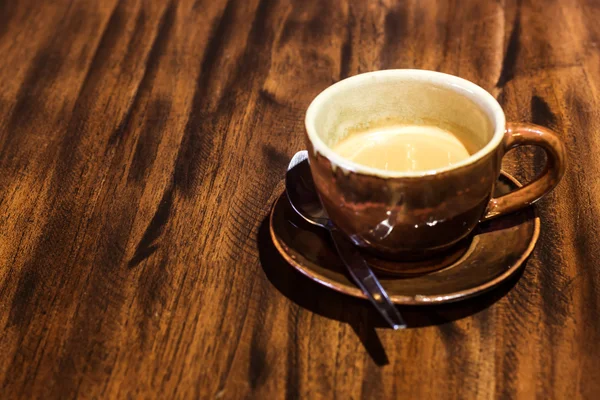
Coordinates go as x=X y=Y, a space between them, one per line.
x=300 y=189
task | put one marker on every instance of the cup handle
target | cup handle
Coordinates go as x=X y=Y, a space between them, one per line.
x=521 y=134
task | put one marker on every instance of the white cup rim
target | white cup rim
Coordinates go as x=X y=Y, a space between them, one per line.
x=462 y=86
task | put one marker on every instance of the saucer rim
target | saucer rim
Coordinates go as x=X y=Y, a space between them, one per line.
x=416 y=299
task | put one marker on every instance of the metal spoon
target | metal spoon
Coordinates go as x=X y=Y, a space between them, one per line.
x=303 y=197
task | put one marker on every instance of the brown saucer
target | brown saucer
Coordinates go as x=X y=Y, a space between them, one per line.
x=489 y=256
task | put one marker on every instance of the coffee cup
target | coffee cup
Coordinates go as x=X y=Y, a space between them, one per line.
x=412 y=213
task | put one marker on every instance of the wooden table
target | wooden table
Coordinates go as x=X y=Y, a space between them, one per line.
x=142 y=144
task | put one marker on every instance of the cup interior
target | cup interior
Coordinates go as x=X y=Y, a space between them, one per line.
x=417 y=97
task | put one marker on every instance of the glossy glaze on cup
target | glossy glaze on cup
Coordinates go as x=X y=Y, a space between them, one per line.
x=415 y=215
x=411 y=215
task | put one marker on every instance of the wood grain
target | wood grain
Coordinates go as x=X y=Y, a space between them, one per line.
x=142 y=143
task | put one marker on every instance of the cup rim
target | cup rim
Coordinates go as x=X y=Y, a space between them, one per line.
x=466 y=88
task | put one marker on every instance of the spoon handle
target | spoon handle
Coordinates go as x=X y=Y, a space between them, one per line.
x=365 y=279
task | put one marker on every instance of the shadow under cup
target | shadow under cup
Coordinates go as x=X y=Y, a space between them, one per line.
x=407 y=214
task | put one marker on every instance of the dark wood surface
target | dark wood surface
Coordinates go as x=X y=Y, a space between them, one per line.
x=142 y=144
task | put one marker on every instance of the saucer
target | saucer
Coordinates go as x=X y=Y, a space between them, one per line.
x=493 y=252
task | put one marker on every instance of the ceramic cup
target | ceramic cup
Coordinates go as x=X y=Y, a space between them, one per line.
x=398 y=214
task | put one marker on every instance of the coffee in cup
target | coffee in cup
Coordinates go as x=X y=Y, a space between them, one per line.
x=402 y=147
